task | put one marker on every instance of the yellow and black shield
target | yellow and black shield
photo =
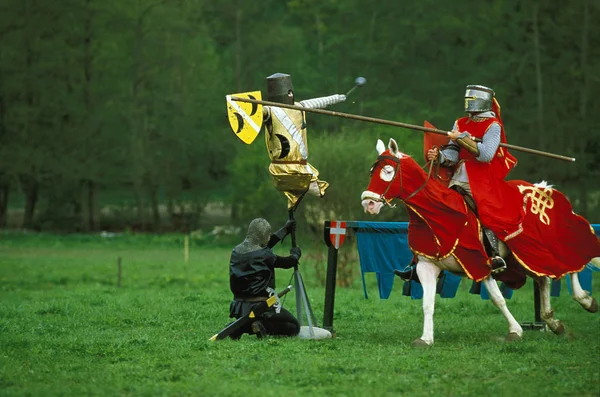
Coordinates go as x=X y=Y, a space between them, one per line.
x=245 y=118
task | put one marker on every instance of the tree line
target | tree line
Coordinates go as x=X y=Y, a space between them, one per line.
x=112 y=113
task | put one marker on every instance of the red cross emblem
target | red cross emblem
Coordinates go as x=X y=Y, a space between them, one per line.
x=337 y=233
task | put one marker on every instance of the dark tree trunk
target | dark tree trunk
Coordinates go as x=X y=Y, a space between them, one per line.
x=91 y=204
x=155 y=209
x=31 y=197
x=4 y=190
x=88 y=200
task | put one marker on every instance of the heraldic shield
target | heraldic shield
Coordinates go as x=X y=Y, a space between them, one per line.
x=245 y=118
x=337 y=233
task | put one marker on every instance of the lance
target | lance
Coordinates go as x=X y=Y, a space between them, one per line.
x=395 y=124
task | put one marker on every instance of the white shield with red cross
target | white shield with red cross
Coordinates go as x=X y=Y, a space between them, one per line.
x=337 y=233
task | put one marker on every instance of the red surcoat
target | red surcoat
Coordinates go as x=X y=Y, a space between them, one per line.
x=499 y=205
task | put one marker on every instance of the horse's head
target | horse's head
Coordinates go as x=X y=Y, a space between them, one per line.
x=384 y=174
x=381 y=187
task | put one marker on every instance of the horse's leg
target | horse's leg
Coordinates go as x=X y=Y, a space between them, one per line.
x=428 y=274
x=546 y=311
x=515 y=332
x=581 y=296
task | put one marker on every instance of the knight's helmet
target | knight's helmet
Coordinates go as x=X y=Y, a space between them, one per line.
x=478 y=99
x=279 y=87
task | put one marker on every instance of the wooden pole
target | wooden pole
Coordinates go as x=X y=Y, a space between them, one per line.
x=119 y=267
x=395 y=124
x=186 y=248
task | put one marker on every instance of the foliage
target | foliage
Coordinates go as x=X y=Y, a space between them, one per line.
x=251 y=189
x=66 y=329
x=103 y=96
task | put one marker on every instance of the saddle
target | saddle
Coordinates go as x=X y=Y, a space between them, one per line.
x=469 y=200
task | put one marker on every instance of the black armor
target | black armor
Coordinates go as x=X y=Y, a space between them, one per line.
x=493 y=250
x=252 y=279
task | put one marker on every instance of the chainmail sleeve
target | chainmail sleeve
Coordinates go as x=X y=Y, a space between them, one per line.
x=489 y=143
x=449 y=156
x=319 y=103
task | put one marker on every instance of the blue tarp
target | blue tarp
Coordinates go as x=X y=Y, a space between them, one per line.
x=383 y=247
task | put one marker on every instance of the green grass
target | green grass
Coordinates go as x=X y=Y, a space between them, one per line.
x=67 y=330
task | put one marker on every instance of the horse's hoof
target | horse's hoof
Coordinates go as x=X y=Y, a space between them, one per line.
x=513 y=337
x=419 y=343
x=593 y=307
x=560 y=328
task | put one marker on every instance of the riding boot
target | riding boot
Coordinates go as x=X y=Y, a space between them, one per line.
x=259 y=329
x=409 y=273
x=497 y=262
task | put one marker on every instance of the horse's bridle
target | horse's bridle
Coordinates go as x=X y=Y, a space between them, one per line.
x=397 y=161
x=398 y=167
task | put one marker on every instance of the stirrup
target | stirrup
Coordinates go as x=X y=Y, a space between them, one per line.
x=498 y=264
x=409 y=273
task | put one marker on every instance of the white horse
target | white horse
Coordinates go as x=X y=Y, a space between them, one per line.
x=396 y=175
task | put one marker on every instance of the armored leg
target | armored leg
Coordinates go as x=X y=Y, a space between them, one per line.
x=498 y=264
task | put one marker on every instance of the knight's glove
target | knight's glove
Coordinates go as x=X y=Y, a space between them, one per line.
x=288 y=228
x=323 y=102
x=466 y=140
x=296 y=252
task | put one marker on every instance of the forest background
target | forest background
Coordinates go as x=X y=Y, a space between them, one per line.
x=113 y=116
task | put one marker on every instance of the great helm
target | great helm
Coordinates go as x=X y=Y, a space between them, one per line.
x=279 y=86
x=478 y=99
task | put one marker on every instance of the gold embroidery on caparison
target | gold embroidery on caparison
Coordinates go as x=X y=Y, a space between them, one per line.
x=541 y=200
x=469 y=275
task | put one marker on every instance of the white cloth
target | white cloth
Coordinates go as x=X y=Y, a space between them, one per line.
x=316 y=334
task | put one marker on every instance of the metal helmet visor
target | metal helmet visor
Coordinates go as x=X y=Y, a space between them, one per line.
x=478 y=99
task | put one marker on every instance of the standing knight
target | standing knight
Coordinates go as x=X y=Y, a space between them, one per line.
x=286 y=140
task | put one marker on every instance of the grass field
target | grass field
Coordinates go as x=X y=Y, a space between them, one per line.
x=66 y=329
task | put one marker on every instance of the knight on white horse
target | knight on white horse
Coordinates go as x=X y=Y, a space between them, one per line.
x=444 y=234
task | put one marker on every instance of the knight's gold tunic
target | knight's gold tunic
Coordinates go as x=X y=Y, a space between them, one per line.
x=288 y=149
